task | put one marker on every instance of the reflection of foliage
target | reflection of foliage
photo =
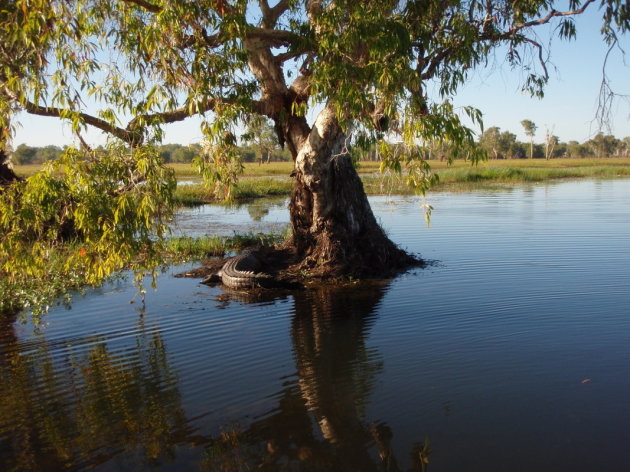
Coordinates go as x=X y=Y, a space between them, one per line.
x=257 y=212
x=229 y=453
x=82 y=410
x=259 y=209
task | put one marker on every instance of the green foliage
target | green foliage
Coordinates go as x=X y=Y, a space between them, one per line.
x=261 y=135
x=176 y=153
x=83 y=217
x=220 y=165
x=160 y=61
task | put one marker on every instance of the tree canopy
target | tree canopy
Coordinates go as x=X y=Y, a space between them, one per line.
x=153 y=62
x=370 y=72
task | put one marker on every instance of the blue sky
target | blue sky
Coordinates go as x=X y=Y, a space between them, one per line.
x=568 y=109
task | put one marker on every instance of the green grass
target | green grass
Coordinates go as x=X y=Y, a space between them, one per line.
x=191 y=195
x=531 y=174
x=185 y=247
x=247 y=189
x=459 y=178
x=27 y=171
x=273 y=179
x=262 y=187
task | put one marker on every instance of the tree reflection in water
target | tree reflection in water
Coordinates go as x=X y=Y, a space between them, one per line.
x=78 y=403
x=90 y=404
x=320 y=424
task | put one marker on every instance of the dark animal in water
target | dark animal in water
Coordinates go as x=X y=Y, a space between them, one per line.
x=241 y=272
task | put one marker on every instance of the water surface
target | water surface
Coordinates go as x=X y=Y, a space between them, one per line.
x=511 y=351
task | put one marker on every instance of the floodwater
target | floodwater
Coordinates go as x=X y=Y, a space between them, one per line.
x=509 y=352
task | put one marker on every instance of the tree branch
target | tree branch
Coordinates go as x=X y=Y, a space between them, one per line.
x=144 y=4
x=550 y=15
x=486 y=35
x=120 y=133
x=133 y=134
x=271 y=15
x=172 y=116
x=538 y=46
x=285 y=56
x=273 y=37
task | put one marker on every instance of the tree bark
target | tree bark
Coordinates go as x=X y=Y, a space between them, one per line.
x=334 y=230
x=7 y=176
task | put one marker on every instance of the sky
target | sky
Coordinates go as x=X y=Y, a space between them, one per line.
x=568 y=109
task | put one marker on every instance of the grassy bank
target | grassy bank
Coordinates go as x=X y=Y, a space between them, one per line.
x=273 y=179
x=471 y=178
x=460 y=176
x=186 y=248
x=248 y=188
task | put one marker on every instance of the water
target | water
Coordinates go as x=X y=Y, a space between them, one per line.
x=511 y=351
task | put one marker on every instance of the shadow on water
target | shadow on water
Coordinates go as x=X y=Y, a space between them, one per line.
x=83 y=402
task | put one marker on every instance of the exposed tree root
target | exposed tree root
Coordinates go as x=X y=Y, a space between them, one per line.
x=291 y=272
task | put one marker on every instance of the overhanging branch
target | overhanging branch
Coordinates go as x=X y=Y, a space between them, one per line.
x=120 y=133
x=542 y=61
x=144 y=4
x=550 y=15
x=273 y=37
x=133 y=133
x=436 y=59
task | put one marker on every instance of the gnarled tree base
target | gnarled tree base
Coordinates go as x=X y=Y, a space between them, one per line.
x=335 y=232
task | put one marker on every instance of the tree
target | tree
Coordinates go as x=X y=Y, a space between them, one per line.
x=184 y=154
x=364 y=66
x=260 y=134
x=497 y=143
x=518 y=150
x=7 y=176
x=48 y=153
x=550 y=143
x=575 y=149
x=490 y=141
x=603 y=145
x=530 y=130
x=24 y=154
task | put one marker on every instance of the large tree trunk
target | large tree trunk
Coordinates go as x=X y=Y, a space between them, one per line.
x=334 y=229
x=7 y=176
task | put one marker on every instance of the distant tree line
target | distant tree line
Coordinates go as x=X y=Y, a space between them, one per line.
x=504 y=145
x=261 y=147
x=172 y=153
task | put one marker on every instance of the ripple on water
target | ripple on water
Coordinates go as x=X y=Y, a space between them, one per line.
x=509 y=352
